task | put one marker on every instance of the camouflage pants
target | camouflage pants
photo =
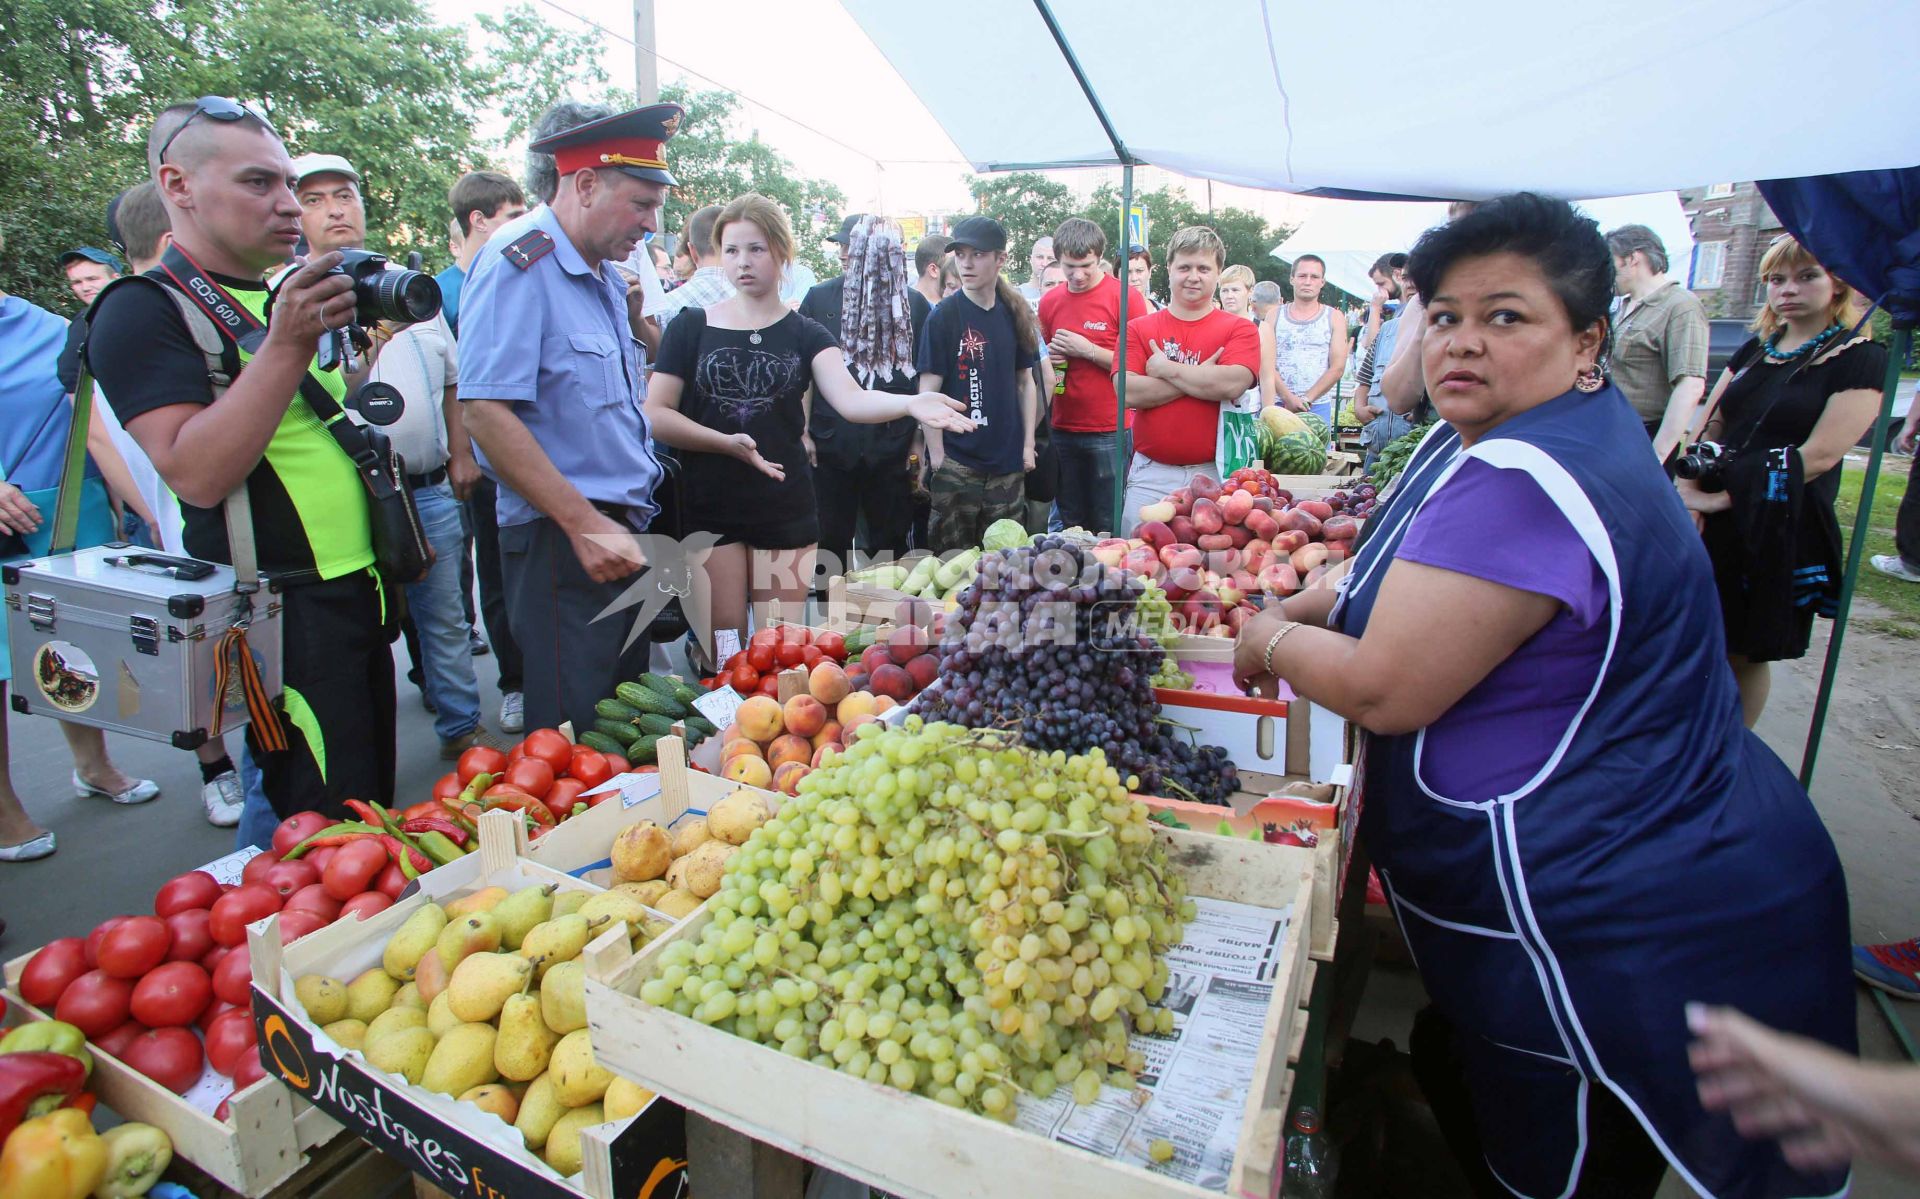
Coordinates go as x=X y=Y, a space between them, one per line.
x=966 y=501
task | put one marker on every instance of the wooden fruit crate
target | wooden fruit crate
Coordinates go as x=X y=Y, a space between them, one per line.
x=911 y=1146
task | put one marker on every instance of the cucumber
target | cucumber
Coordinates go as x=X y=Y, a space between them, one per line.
x=595 y=739
x=613 y=709
x=648 y=700
x=859 y=639
x=657 y=682
x=641 y=751
x=700 y=726
x=684 y=693
x=658 y=726
x=619 y=730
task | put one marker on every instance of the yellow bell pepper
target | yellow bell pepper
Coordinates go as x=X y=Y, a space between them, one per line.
x=57 y=1156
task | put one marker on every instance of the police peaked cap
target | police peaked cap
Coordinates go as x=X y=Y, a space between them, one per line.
x=634 y=142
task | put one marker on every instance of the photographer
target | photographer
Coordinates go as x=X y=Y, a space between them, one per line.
x=1791 y=403
x=225 y=178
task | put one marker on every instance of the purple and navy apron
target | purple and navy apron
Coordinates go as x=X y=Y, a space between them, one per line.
x=1660 y=853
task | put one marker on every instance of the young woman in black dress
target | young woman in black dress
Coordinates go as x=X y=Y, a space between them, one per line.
x=729 y=391
x=1806 y=381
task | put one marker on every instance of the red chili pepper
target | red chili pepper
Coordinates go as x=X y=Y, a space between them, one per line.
x=515 y=800
x=85 y=1101
x=33 y=1084
x=450 y=829
x=364 y=811
x=411 y=861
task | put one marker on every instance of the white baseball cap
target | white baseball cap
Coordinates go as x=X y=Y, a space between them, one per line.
x=323 y=164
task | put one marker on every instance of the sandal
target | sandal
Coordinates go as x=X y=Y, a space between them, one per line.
x=141 y=791
x=30 y=850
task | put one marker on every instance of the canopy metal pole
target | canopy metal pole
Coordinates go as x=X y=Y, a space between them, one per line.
x=1856 y=547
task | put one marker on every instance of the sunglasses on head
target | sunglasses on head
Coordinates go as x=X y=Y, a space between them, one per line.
x=217 y=108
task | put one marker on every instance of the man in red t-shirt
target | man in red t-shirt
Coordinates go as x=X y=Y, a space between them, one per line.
x=1081 y=324
x=1183 y=362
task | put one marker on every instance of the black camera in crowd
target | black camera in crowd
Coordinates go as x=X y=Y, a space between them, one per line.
x=1704 y=463
x=382 y=292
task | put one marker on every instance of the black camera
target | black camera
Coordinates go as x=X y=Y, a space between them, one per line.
x=1704 y=463
x=388 y=293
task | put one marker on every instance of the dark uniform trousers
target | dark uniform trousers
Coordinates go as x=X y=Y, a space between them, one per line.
x=570 y=659
x=483 y=518
x=338 y=702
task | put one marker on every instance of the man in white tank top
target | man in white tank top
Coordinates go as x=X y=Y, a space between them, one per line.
x=1309 y=343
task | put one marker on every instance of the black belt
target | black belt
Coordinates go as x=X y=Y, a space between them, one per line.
x=429 y=479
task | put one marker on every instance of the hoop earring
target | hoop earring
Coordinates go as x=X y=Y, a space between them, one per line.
x=1589 y=379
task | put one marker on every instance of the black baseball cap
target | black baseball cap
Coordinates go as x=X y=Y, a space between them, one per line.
x=979 y=233
x=846 y=228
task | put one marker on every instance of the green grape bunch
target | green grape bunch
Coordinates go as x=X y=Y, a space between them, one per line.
x=945 y=911
x=1155 y=614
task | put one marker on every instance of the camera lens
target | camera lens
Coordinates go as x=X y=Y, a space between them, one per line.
x=399 y=296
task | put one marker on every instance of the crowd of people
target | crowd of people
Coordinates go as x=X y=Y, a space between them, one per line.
x=591 y=385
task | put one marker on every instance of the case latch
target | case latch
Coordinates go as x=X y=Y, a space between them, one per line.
x=40 y=611
x=146 y=634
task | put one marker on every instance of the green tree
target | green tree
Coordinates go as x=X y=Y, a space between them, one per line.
x=535 y=65
x=1030 y=205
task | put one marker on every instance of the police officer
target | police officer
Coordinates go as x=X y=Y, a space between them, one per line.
x=551 y=378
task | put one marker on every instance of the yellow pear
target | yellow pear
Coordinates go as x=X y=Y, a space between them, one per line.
x=481 y=984
x=641 y=852
x=480 y=901
x=577 y=1078
x=563 y=1140
x=568 y=902
x=525 y=1042
x=370 y=993
x=689 y=835
x=324 y=998
x=614 y=905
x=461 y=1061
x=476 y=932
x=393 y=1020
x=558 y=940
x=539 y=1111
x=430 y=975
x=404 y=1053
x=644 y=892
x=563 y=997
x=677 y=904
x=440 y=1017
x=350 y=1034
x=496 y=1098
x=412 y=940
x=519 y=912
x=625 y=1098
x=409 y=996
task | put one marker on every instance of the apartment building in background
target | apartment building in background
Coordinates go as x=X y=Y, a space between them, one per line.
x=1731 y=228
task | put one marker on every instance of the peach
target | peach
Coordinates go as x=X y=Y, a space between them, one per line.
x=1183 y=531
x=907 y=643
x=858 y=723
x=1234 y=508
x=789 y=748
x=859 y=703
x=1110 y=552
x=883 y=704
x=740 y=748
x=923 y=670
x=730 y=734
x=759 y=718
x=828 y=735
x=1160 y=513
x=786 y=779
x=1307 y=557
x=805 y=715
x=893 y=681
x=824 y=754
x=1157 y=533
x=748 y=772
x=828 y=683
x=873 y=656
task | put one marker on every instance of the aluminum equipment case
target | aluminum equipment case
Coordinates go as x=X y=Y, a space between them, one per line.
x=126 y=639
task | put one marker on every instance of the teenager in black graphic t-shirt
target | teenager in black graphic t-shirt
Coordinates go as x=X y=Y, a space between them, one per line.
x=979 y=348
x=727 y=392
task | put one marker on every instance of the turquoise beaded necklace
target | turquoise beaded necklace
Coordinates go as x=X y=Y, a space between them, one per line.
x=1807 y=348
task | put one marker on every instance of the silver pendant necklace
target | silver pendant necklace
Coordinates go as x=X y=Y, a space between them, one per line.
x=754 y=337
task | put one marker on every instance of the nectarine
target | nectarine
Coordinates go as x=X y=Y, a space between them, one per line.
x=859 y=703
x=748 y=772
x=788 y=747
x=828 y=683
x=759 y=718
x=805 y=716
x=786 y=779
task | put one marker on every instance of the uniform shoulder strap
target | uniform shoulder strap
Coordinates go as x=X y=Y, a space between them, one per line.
x=528 y=248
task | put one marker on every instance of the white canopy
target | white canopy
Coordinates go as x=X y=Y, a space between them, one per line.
x=1349 y=235
x=1415 y=98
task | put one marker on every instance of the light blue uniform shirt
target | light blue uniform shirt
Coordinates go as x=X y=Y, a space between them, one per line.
x=553 y=340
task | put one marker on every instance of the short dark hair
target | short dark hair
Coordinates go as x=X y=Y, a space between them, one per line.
x=1566 y=246
x=698 y=235
x=1386 y=264
x=1078 y=237
x=174 y=118
x=543 y=173
x=143 y=221
x=930 y=250
x=1311 y=258
x=484 y=192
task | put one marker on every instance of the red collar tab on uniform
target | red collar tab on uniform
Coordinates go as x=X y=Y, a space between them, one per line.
x=612 y=152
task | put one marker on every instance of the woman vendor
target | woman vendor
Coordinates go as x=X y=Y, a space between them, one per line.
x=1576 y=832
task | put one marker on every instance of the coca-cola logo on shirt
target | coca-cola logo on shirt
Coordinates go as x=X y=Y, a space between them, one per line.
x=1095 y=326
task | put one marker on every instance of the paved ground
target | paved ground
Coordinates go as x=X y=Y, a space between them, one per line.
x=112 y=859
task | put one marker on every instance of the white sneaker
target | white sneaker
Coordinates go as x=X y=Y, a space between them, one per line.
x=1895 y=566
x=223 y=798
x=513 y=712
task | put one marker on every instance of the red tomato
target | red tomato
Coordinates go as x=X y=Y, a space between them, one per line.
x=192 y=935
x=534 y=775
x=234 y=911
x=320 y=857
x=516 y=753
x=288 y=877
x=297 y=924
x=765 y=637
x=247 y=1071
x=426 y=807
x=214 y=957
x=229 y=1036
x=224 y=1113
x=354 y=868
x=313 y=898
x=447 y=786
x=233 y=978
x=99 y=934
x=96 y=1003
x=259 y=864
x=169 y=1056
x=790 y=654
x=734 y=659
x=565 y=794
x=590 y=766
x=390 y=881
x=792 y=634
x=761 y=657
x=50 y=971
x=745 y=679
x=136 y=946
x=618 y=763
x=216 y=1008
x=550 y=746
x=833 y=645
x=366 y=905
x=769 y=685
x=479 y=760
x=172 y=996
x=116 y=1041
x=297 y=828
x=811 y=656
x=194 y=889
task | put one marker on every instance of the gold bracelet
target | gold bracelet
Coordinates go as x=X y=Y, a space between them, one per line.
x=1285 y=628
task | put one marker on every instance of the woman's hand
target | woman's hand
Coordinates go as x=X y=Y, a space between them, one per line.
x=17 y=513
x=745 y=450
x=1250 y=651
x=937 y=411
x=806 y=443
x=1699 y=501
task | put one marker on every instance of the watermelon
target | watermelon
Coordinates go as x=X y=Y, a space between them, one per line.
x=1301 y=453
x=1317 y=425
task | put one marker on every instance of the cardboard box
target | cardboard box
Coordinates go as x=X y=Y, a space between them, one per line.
x=455 y=1146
